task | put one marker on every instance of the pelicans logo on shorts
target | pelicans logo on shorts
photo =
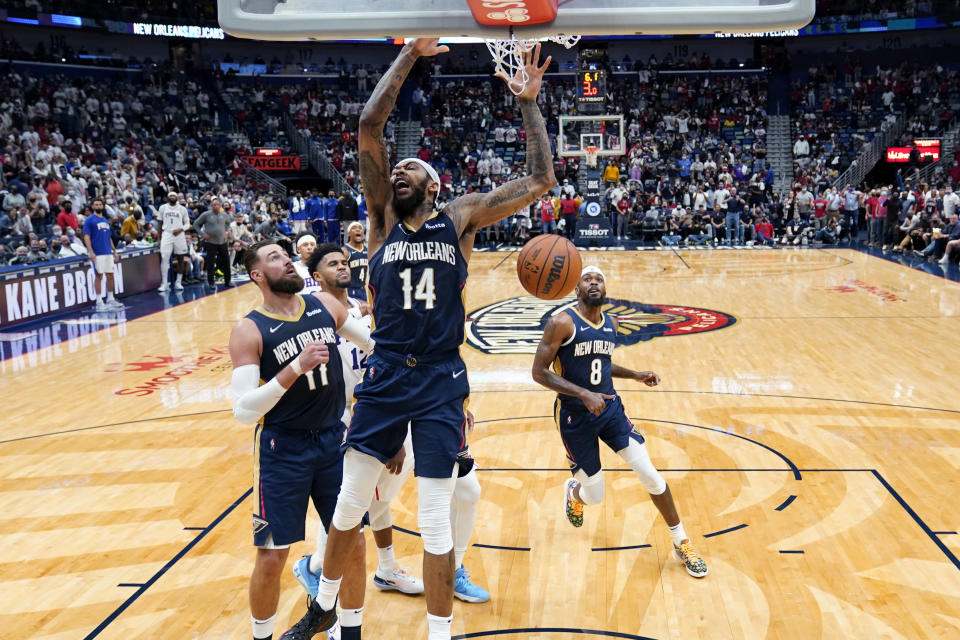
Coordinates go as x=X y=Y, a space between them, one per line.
x=516 y=325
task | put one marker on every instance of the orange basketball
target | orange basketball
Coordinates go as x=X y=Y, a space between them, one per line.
x=549 y=266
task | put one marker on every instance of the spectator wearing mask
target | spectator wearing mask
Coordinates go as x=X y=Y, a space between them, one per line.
x=132 y=223
x=13 y=200
x=6 y=224
x=65 y=249
x=331 y=221
x=735 y=206
x=298 y=212
x=764 y=231
x=890 y=221
x=568 y=209
x=851 y=210
x=548 y=223
x=66 y=217
x=20 y=257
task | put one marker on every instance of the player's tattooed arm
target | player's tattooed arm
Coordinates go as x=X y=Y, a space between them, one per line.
x=475 y=211
x=373 y=157
x=539 y=156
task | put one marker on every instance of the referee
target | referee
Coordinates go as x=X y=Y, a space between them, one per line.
x=213 y=226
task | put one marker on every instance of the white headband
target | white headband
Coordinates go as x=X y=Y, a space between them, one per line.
x=306 y=238
x=592 y=269
x=354 y=224
x=430 y=170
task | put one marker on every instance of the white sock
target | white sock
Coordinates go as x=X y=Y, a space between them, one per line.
x=678 y=534
x=387 y=561
x=439 y=627
x=109 y=296
x=316 y=559
x=327 y=592
x=263 y=628
x=99 y=299
x=179 y=278
x=351 y=617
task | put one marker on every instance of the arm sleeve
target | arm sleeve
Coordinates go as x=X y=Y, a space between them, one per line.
x=251 y=400
x=354 y=331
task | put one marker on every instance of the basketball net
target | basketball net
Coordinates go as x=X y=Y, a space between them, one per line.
x=591 y=155
x=508 y=56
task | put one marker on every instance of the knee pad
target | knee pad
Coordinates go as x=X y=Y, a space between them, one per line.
x=635 y=455
x=591 y=487
x=433 y=514
x=467 y=490
x=360 y=473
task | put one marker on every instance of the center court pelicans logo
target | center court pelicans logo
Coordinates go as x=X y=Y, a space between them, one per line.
x=516 y=325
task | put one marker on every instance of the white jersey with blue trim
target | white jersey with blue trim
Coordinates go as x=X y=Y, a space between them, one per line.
x=309 y=284
x=353 y=358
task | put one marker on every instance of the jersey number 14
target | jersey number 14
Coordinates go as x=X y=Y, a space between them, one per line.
x=424 y=290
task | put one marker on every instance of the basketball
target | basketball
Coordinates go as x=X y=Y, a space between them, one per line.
x=549 y=266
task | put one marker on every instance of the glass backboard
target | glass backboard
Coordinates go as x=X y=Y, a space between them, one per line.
x=362 y=19
x=604 y=134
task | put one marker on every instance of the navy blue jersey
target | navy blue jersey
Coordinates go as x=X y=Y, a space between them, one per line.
x=358 y=267
x=416 y=283
x=584 y=359
x=315 y=401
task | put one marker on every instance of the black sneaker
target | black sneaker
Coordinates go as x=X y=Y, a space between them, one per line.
x=313 y=622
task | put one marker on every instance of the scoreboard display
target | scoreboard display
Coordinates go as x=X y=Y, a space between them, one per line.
x=591 y=86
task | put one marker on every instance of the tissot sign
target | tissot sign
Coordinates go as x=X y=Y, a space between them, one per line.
x=273 y=163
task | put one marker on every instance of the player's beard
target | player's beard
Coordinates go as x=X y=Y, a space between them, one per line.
x=339 y=284
x=406 y=207
x=285 y=284
x=594 y=301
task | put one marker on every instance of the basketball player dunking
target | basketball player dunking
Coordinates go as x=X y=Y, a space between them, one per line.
x=578 y=344
x=329 y=267
x=418 y=269
x=298 y=412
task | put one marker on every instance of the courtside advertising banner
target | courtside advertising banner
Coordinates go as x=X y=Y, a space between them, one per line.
x=37 y=291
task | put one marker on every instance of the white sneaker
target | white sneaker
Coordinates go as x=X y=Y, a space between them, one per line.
x=178 y=285
x=164 y=288
x=400 y=580
x=101 y=306
x=944 y=260
x=115 y=304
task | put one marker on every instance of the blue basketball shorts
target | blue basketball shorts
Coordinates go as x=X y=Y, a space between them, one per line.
x=581 y=432
x=290 y=468
x=428 y=392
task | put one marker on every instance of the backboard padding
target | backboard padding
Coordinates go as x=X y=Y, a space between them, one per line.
x=361 y=19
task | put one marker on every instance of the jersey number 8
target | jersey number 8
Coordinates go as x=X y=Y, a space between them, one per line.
x=596 y=371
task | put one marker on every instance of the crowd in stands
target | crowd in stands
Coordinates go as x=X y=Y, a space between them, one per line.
x=64 y=142
x=189 y=12
x=841 y=107
x=693 y=168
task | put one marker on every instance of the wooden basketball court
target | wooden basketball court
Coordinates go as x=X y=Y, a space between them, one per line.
x=812 y=442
